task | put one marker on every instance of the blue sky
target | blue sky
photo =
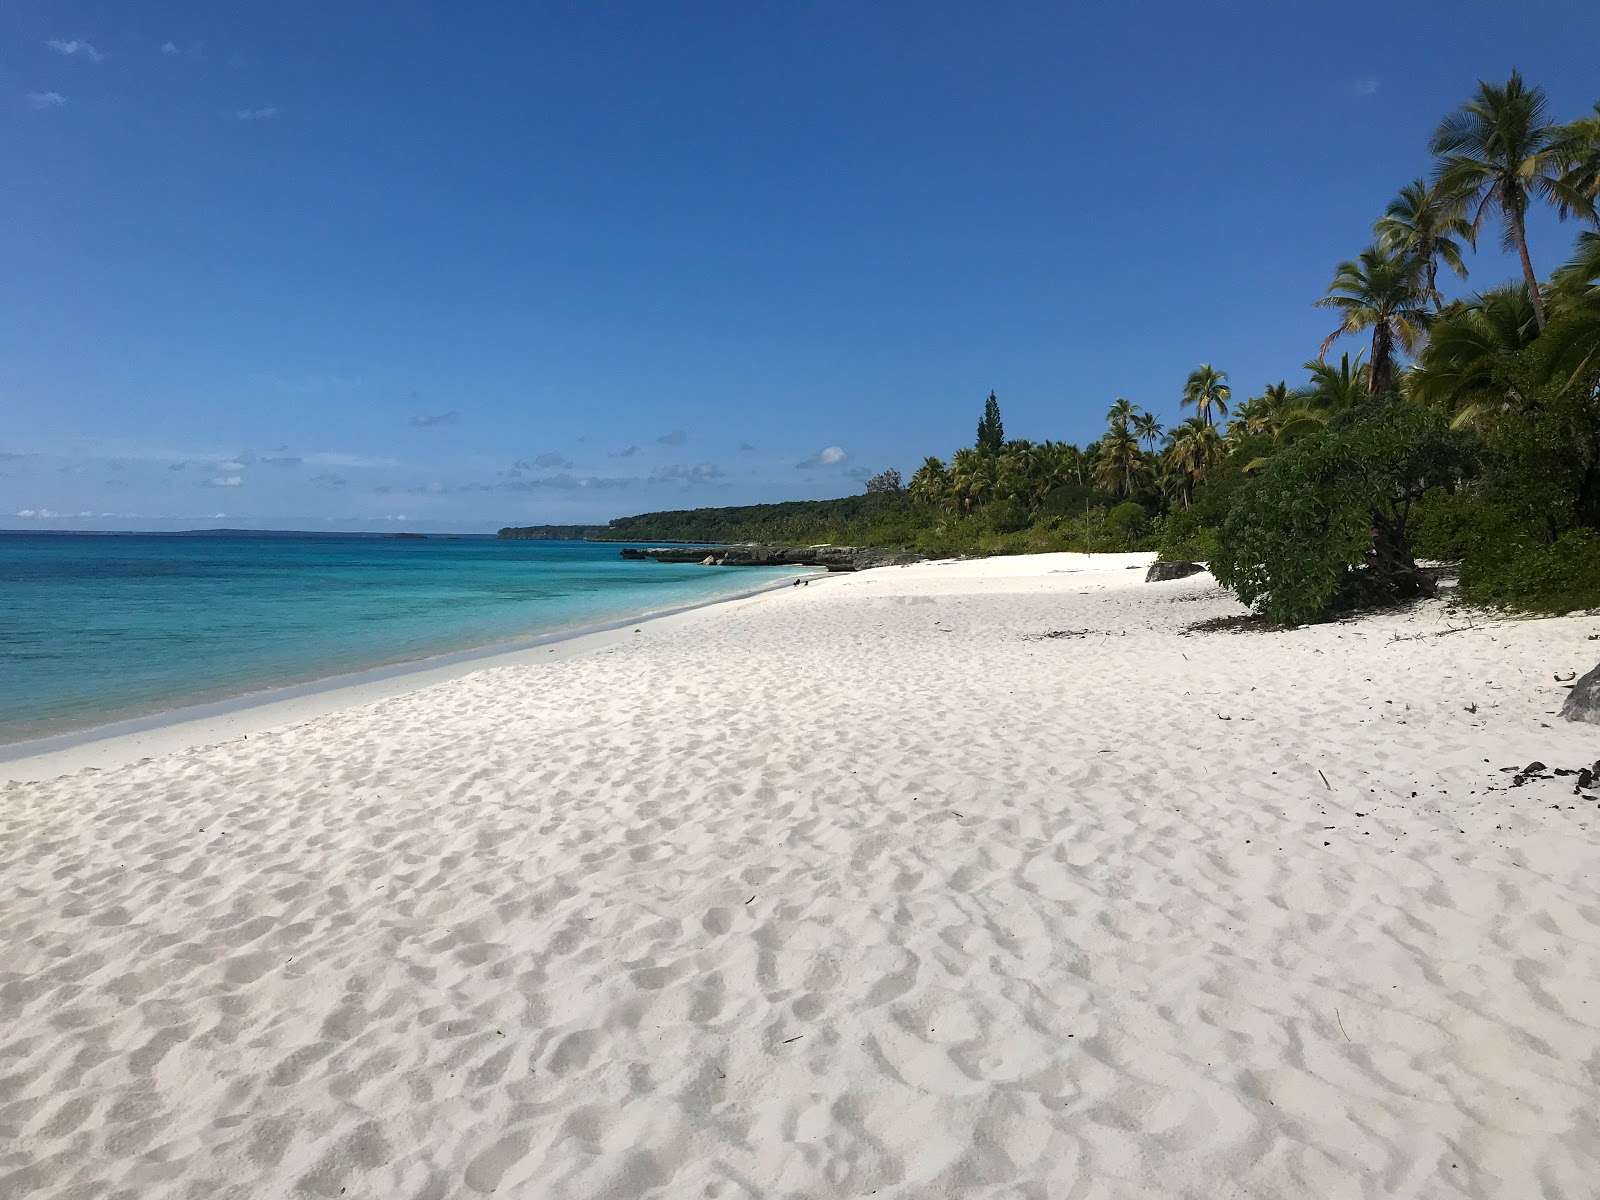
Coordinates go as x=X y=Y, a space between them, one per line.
x=314 y=265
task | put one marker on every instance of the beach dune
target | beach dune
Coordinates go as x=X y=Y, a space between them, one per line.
x=862 y=888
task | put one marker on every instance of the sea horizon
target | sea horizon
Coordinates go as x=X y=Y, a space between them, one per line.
x=127 y=627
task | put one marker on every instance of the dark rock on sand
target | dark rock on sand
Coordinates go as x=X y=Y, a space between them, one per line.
x=1583 y=702
x=1161 y=571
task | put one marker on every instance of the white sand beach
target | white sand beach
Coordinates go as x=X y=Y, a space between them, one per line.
x=859 y=888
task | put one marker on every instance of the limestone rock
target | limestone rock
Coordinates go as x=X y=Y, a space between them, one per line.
x=1583 y=702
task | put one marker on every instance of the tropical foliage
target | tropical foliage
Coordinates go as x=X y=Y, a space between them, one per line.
x=1465 y=429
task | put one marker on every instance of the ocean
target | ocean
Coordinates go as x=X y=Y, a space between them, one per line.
x=96 y=628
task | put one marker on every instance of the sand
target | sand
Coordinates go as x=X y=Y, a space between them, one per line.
x=851 y=889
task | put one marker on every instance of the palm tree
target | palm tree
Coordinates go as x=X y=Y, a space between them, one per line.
x=1467 y=367
x=1120 y=412
x=1147 y=429
x=1573 y=338
x=1580 y=145
x=1261 y=414
x=1193 y=448
x=1580 y=278
x=1332 y=389
x=1423 y=223
x=1498 y=150
x=1208 y=391
x=931 y=483
x=1119 y=466
x=1381 y=291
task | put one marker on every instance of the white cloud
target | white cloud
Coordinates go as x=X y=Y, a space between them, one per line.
x=255 y=114
x=676 y=438
x=1364 y=87
x=44 y=99
x=74 y=48
x=330 y=458
x=232 y=464
x=828 y=456
x=169 y=47
x=225 y=481
x=37 y=514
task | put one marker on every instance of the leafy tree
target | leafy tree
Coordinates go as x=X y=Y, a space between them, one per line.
x=1326 y=522
x=885 y=481
x=1207 y=392
x=1499 y=151
x=1424 y=224
x=1382 y=290
x=991 y=434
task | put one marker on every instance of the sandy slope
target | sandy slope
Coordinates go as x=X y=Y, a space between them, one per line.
x=854 y=889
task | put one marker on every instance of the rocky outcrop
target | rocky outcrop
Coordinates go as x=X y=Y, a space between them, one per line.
x=1161 y=571
x=1583 y=702
x=750 y=554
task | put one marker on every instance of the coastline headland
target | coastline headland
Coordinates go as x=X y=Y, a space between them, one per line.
x=756 y=554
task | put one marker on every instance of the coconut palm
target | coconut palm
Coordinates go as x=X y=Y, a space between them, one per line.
x=1250 y=418
x=1063 y=463
x=1263 y=414
x=1580 y=278
x=1467 y=367
x=1580 y=147
x=973 y=475
x=1147 y=429
x=1193 y=448
x=1498 y=151
x=1120 y=413
x=1424 y=223
x=1208 y=392
x=1382 y=290
x=1573 y=337
x=1332 y=390
x=930 y=484
x=1119 y=467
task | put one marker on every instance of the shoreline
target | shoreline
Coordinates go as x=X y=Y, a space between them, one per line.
x=116 y=743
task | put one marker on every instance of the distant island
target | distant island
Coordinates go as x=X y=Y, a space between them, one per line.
x=554 y=533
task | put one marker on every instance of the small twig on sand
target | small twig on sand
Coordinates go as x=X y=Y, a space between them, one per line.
x=1325 y=782
x=1340 y=1019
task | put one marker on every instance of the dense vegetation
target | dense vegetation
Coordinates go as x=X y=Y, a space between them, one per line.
x=552 y=533
x=1470 y=432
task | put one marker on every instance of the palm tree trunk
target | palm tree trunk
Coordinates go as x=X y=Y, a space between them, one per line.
x=1382 y=359
x=1521 y=234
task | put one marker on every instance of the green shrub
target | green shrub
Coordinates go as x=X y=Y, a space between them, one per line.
x=1446 y=525
x=1128 y=519
x=1334 y=502
x=1535 y=576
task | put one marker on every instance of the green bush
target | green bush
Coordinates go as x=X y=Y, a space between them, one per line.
x=1128 y=519
x=1183 y=535
x=1535 y=576
x=1445 y=526
x=1334 y=502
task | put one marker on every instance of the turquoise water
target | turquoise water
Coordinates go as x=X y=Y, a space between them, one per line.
x=101 y=627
